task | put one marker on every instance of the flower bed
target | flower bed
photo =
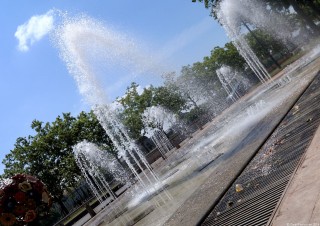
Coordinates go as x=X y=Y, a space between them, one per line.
x=23 y=199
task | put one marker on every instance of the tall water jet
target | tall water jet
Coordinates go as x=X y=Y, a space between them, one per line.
x=255 y=108
x=156 y=120
x=84 y=44
x=94 y=164
x=233 y=14
x=232 y=82
x=125 y=145
x=226 y=81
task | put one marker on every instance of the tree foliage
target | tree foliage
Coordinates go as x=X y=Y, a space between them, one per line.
x=48 y=154
x=227 y=55
x=134 y=104
x=308 y=11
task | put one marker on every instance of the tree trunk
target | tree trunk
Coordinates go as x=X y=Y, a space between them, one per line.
x=304 y=16
x=262 y=45
x=193 y=101
x=90 y=210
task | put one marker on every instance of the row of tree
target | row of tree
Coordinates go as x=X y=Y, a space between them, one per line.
x=49 y=155
x=307 y=11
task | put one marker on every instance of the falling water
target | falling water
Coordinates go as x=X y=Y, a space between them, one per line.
x=91 y=161
x=161 y=140
x=233 y=14
x=155 y=121
x=255 y=108
x=94 y=164
x=226 y=85
x=231 y=81
x=124 y=144
x=84 y=44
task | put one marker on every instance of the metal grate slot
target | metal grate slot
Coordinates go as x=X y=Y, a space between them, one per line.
x=281 y=153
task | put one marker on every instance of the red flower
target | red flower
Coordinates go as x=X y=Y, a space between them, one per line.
x=19 y=177
x=30 y=216
x=2 y=203
x=9 y=204
x=38 y=186
x=10 y=189
x=22 y=200
x=20 y=210
x=20 y=197
x=7 y=219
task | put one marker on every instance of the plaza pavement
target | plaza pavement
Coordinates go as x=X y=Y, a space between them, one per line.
x=300 y=204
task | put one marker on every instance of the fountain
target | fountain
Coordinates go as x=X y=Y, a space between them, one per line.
x=231 y=82
x=80 y=39
x=84 y=42
x=234 y=14
x=255 y=108
x=156 y=120
x=94 y=163
x=233 y=95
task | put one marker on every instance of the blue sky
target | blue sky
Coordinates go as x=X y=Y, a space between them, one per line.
x=35 y=83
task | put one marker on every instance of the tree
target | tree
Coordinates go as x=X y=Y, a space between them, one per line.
x=301 y=7
x=311 y=6
x=210 y=4
x=266 y=47
x=168 y=99
x=227 y=55
x=184 y=86
x=134 y=104
x=48 y=154
x=199 y=87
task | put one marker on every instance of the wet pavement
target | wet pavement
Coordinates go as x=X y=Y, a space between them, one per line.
x=265 y=178
x=190 y=175
x=202 y=202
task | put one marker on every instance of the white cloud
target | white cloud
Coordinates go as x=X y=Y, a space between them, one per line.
x=34 y=30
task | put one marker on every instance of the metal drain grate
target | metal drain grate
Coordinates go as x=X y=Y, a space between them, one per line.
x=267 y=175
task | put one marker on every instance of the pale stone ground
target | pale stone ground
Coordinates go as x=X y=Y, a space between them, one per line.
x=194 y=191
x=300 y=204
